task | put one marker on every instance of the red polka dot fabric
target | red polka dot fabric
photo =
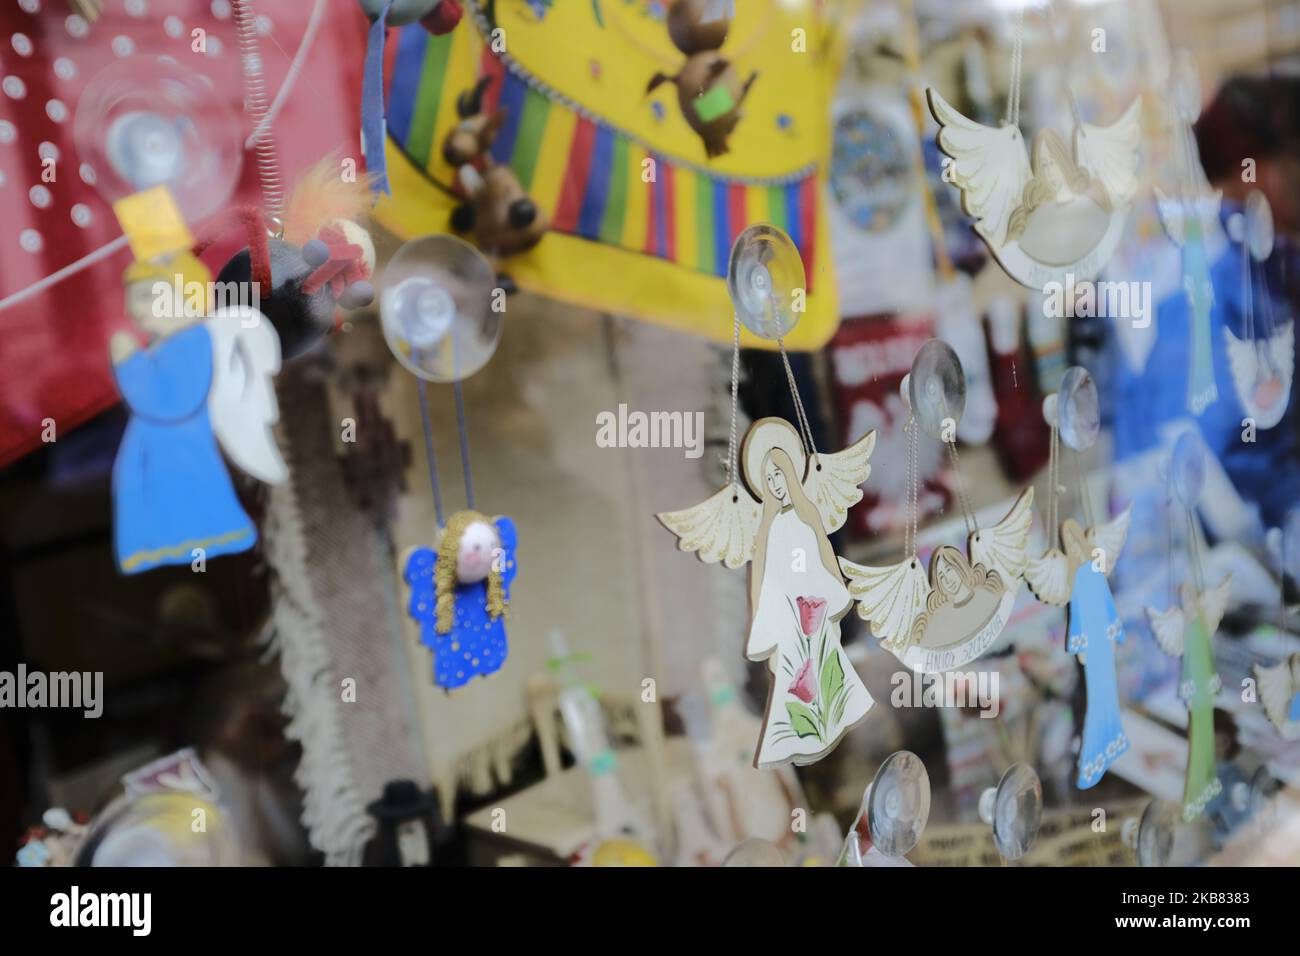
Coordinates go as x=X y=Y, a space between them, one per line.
x=54 y=345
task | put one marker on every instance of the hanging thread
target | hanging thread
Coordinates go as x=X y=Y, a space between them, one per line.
x=430 y=455
x=1017 y=58
x=967 y=512
x=735 y=392
x=911 y=518
x=464 y=446
x=805 y=430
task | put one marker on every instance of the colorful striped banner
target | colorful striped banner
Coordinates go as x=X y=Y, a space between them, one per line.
x=593 y=180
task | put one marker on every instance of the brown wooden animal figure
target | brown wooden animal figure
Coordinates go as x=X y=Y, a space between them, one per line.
x=499 y=214
x=709 y=89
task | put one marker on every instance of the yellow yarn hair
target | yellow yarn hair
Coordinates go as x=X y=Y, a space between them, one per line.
x=444 y=573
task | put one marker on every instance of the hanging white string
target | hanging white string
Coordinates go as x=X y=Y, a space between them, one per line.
x=1054 y=483
x=911 y=518
x=967 y=512
x=1084 y=497
x=1017 y=59
x=735 y=391
x=805 y=430
x=314 y=22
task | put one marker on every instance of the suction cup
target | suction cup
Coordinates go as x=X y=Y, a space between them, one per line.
x=766 y=281
x=1187 y=468
x=435 y=306
x=1185 y=87
x=755 y=852
x=1259 y=233
x=143 y=122
x=1151 y=836
x=1078 y=410
x=894 y=810
x=936 y=389
x=1015 y=809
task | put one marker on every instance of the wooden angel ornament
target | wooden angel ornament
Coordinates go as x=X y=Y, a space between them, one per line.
x=460 y=593
x=779 y=521
x=1074 y=575
x=952 y=616
x=200 y=387
x=1187 y=631
x=1054 y=209
x=1279 y=692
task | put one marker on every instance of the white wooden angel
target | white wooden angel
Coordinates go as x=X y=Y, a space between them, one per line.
x=780 y=521
x=201 y=381
x=1279 y=692
x=1077 y=576
x=1050 y=211
x=949 y=618
x=1187 y=632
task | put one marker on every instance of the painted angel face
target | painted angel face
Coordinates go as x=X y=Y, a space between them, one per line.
x=478 y=549
x=159 y=311
x=776 y=481
x=949 y=578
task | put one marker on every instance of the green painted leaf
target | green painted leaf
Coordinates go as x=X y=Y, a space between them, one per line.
x=801 y=719
x=832 y=678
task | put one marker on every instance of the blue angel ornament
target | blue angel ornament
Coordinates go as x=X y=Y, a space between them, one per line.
x=202 y=386
x=1077 y=577
x=459 y=596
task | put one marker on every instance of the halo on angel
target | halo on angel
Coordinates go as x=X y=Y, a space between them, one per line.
x=792 y=499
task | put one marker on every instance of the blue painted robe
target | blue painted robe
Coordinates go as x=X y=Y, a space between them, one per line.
x=171 y=490
x=476 y=644
x=1095 y=629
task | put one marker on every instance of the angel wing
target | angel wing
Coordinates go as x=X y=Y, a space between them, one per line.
x=1168 y=627
x=1004 y=548
x=891 y=597
x=1242 y=357
x=719 y=529
x=1109 y=537
x=1214 y=602
x=834 y=481
x=1282 y=349
x=1049 y=578
x=1174 y=213
x=990 y=167
x=1276 y=690
x=241 y=403
x=1110 y=153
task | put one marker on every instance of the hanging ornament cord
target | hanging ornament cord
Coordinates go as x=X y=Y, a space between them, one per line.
x=967 y=512
x=1017 y=60
x=735 y=392
x=1085 y=499
x=805 y=430
x=430 y=456
x=1053 y=484
x=911 y=517
x=464 y=446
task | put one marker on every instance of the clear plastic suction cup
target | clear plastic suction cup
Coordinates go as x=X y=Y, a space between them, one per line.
x=895 y=808
x=755 y=852
x=1015 y=809
x=435 y=306
x=936 y=389
x=1259 y=232
x=766 y=281
x=1078 y=409
x=1151 y=836
x=1187 y=467
x=144 y=122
